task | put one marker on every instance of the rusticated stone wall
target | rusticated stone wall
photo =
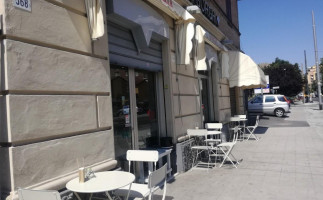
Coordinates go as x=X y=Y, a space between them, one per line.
x=55 y=98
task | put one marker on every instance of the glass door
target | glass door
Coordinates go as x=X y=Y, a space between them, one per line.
x=121 y=112
x=133 y=90
x=146 y=109
x=205 y=100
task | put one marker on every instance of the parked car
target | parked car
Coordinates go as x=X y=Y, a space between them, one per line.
x=272 y=104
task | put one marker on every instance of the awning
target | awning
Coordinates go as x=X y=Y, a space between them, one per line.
x=244 y=72
x=200 y=55
x=95 y=18
x=184 y=36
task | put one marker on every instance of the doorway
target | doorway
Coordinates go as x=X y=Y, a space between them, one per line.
x=135 y=111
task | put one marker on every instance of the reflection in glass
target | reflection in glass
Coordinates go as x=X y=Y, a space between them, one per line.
x=121 y=113
x=205 y=100
x=146 y=109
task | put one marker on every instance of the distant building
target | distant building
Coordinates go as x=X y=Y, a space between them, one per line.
x=263 y=65
x=311 y=75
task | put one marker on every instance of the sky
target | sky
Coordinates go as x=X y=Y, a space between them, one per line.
x=281 y=28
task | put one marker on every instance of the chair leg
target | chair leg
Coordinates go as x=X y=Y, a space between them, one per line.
x=164 y=193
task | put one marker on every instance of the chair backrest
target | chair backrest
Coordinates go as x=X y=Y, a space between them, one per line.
x=157 y=176
x=234 y=119
x=235 y=134
x=241 y=116
x=216 y=126
x=25 y=194
x=196 y=132
x=142 y=156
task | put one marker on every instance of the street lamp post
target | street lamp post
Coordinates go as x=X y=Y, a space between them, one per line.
x=317 y=64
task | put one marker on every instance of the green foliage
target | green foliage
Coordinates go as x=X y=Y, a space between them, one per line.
x=288 y=77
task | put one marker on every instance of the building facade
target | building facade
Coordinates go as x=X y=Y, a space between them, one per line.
x=311 y=75
x=69 y=101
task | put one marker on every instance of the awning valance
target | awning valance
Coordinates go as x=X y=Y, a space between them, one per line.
x=95 y=18
x=244 y=72
x=184 y=36
x=200 y=55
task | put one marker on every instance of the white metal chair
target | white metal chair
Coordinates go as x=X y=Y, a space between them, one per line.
x=251 y=129
x=241 y=125
x=155 y=180
x=199 y=148
x=214 y=131
x=26 y=194
x=227 y=147
x=149 y=156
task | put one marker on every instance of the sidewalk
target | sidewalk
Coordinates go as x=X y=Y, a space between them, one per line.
x=286 y=163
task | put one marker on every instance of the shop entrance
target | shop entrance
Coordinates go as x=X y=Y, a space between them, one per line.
x=135 y=116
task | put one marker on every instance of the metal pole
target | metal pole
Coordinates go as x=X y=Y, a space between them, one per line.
x=306 y=85
x=317 y=64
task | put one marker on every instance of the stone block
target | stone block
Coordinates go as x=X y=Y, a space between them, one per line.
x=176 y=101
x=225 y=90
x=188 y=85
x=225 y=115
x=3 y=119
x=184 y=123
x=175 y=84
x=39 y=163
x=48 y=23
x=190 y=104
x=36 y=68
x=41 y=116
x=75 y=4
x=186 y=69
x=104 y=111
x=224 y=102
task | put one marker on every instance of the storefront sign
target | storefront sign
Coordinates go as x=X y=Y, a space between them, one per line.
x=168 y=3
x=22 y=4
x=207 y=11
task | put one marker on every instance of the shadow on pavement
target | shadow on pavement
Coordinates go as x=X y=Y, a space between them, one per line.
x=261 y=130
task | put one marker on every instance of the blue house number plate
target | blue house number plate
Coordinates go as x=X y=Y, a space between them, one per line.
x=23 y=4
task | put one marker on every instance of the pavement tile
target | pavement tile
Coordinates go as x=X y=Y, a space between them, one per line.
x=286 y=163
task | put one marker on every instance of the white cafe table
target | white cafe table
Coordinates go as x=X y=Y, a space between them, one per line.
x=102 y=182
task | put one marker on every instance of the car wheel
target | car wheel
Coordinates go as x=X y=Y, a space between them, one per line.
x=279 y=112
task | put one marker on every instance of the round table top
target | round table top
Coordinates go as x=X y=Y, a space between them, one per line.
x=236 y=119
x=103 y=181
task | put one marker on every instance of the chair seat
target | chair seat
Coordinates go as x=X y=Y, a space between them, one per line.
x=200 y=147
x=137 y=190
x=226 y=144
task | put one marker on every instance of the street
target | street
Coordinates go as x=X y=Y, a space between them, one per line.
x=286 y=163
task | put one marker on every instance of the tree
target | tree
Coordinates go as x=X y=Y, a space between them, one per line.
x=321 y=73
x=285 y=75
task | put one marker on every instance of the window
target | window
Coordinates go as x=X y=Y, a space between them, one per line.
x=270 y=99
x=281 y=98
x=257 y=99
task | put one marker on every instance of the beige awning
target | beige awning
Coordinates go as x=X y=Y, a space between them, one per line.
x=244 y=72
x=95 y=18
x=184 y=36
x=200 y=55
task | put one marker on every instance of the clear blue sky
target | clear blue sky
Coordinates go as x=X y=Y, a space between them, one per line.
x=280 y=28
